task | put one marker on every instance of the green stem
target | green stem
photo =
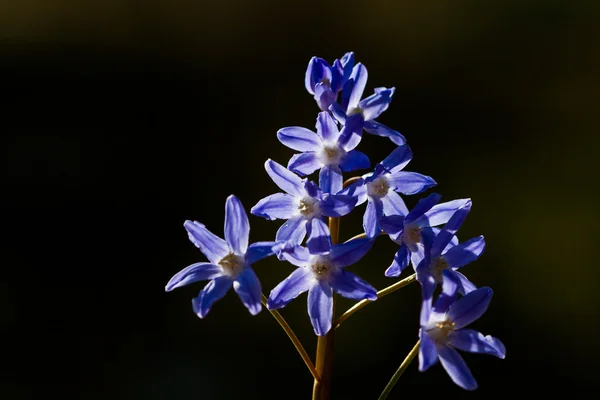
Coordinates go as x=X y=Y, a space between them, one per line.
x=293 y=338
x=400 y=371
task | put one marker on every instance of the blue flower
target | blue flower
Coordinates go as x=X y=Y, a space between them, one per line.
x=229 y=261
x=328 y=149
x=442 y=332
x=408 y=231
x=367 y=109
x=325 y=81
x=304 y=206
x=321 y=275
x=443 y=256
x=379 y=189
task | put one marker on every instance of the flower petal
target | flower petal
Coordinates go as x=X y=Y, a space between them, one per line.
x=475 y=342
x=212 y=292
x=319 y=241
x=285 y=179
x=422 y=207
x=237 y=226
x=456 y=367
x=320 y=307
x=351 y=133
x=357 y=189
x=259 y=250
x=401 y=260
x=398 y=159
x=317 y=70
x=447 y=297
x=470 y=307
x=336 y=205
x=338 y=112
x=293 y=230
x=300 y=139
x=427 y=351
x=393 y=204
x=297 y=255
x=372 y=216
x=355 y=160
x=349 y=252
x=417 y=256
x=351 y=286
x=465 y=252
x=331 y=179
x=212 y=246
x=294 y=285
x=428 y=285
x=324 y=96
x=375 y=128
x=410 y=182
x=375 y=104
x=305 y=163
x=276 y=206
x=393 y=226
x=194 y=273
x=445 y=236
x=247 y=286
x=327 y=128
x=354 y=88
x=466 y=286
x=440 y=213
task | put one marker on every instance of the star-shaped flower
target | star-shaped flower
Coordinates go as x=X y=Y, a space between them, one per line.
x=229 y=263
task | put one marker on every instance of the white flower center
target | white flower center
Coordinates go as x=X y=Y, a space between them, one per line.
x=355 y=110
x=321 y=268
x=436 y=267
x=439 y=331
x=379 y=187
x=232 y=264
x=332 y=154
x=309 y=207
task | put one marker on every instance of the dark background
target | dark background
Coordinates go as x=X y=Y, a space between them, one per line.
x=121 y=119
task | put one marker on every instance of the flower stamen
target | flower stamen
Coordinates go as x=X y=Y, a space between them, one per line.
x=232 y=264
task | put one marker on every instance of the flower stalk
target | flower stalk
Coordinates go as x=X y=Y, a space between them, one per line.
x=388 y=388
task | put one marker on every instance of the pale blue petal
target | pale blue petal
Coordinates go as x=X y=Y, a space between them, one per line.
x=351 y=133
x=401 y=260
x=475 y=342
x=335 y=205
x=357 y=189
x=319 y=241
x=393 y=226
x=212 y=246
x=247 y=286
x=349 y=252
x=293 y=230
x=305 y=163
x=465 y=252
x=338 y=112
x=422 y=207
x=393 y=204
x=355 y=160
x=398 y=159
x=212 y=292
x=456 y=367
x=375 y=128
x=445 y=236
x=300 y=139
x=355 y=87
x=410 y=182
x=447 y=297
x=417 y=256
x=440 y=213
x=372 y=216
x=351 y=286
x=320 y=307
x=297 y=255
x=377 y=103
x=466 y=286
x=428 y=285
x=276 y=206
x=331 y=179
x=259 y=250
x=294 y=285
x=237 y=226
x=194 y=273
x=470 y=307
x=427 y=352
x=324 y=96
x=285 y=179
x=317 y=71
x=327 y=128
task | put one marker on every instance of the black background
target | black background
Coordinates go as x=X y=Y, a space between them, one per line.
x=122 y=119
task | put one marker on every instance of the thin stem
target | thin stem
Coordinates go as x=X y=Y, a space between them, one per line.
x=380 y=294
x=293 y=338
x=350 y=181
x=400 y=371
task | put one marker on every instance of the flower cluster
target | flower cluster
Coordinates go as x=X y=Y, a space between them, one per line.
x=426 y=235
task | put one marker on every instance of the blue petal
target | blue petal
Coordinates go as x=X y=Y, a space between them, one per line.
x=347 y=62
x=357 y=189
x=466 y=286
x=194 y=273
x=355 y=160
x=278 y=205
x=285 y=179
x=417 y=256
x=422 y=207
x=465 y=252
x=300 y=139
x=427 y=352
x=338 y=112
x=312 y=189
x=259 y=250
x=315 y=72
x=297 y=283
x=349 y=252
x=470 y=307
x=237 y=226
x=428 y=285
x=398 y=159
x=293 y=230
x=393 y=204
x=401 y=260
x=297 y=255
x=410 y=182
x=213 y=247
x=372 y=216
x=320 y=307
x=475 y=342
x=375 y=128
x=354 y=88
x=445 y=236
x=440 y=213
x=331 y=179
x=447 y=297
x=393 y=226
x=375 y=104
x=319 y=241
x=335 y=205
x=247 y=286
x=212 y=292
x=456 y=367
x=337 y=77
x=327 y=128
x=351 y=133
x=324 y=96
x=305 y=163
x=351 y=286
